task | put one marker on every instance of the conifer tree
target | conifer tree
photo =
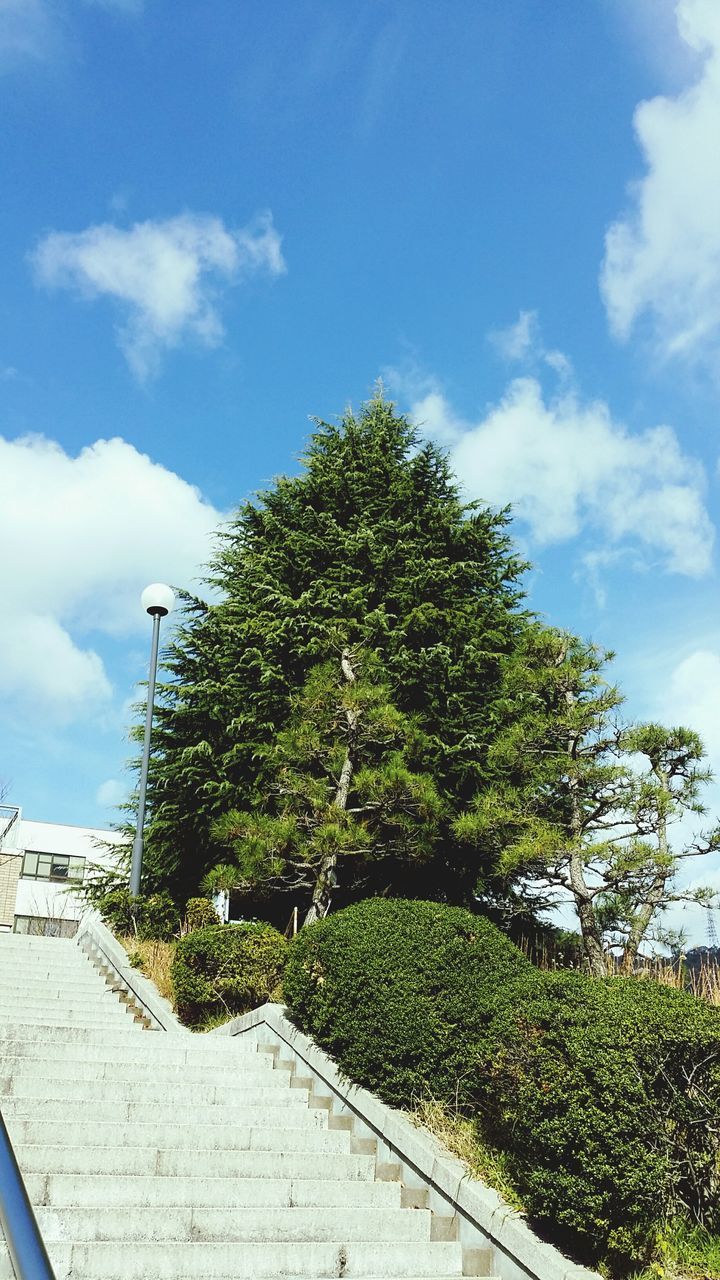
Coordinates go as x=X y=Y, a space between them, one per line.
x=342 y=796
x=584 y=804
x=369 y=549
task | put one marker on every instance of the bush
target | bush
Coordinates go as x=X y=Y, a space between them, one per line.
x=605 y=1095
x=155 y=917
x=199 y=913
x=227 y=969
x=401 y=994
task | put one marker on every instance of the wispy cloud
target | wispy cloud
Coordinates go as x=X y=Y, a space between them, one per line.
x=29 y=29
x=384 y=61
x=37 y=30
x=165 y=276
x=662 y=258
x=522 y=343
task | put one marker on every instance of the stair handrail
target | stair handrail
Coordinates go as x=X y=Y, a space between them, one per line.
x=22 y=1233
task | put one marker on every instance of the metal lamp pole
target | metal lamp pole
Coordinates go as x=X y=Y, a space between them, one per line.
x=157 y=600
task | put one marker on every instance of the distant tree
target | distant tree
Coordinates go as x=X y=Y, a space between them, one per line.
x=368 y=549
x=341 y=789
x=582 y=805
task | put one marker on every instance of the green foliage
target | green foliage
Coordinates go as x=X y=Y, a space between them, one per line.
x=343 y=793
x=226 y=969
x=568 y=808
x=401 y=994
x=370 y=548
x=603 y=1097
x=199 y=912
x=142 y=917
x=606 y=1098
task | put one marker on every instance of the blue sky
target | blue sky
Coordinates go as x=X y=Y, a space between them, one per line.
x=220 y=218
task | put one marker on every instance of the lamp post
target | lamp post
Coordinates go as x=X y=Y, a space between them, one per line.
x=157 y=600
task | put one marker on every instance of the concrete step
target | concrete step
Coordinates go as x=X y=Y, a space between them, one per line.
x=268 y=1225
x=181 y=1110
x=39 y=1089
x=23 y=984
x=93 y=1006
x=138 y=1064
x=37 y=942
x=44 y=958
x=187 y=1137
x=289 y=1260
x=125 y=1049
x=65 y=972
x=111 y=1190
x=93 y=1022
x=48 y=1158
x=218 y=1047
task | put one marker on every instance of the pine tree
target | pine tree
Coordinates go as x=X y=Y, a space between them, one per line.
x=342 y=795
x=570 y=809
x=369 y=549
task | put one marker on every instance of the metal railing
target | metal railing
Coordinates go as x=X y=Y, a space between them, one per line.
x=25 y=1244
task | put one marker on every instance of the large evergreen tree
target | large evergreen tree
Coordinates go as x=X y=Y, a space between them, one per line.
x=345 y=802
x=369 y=549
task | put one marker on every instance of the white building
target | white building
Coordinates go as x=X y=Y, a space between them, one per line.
x=40 y=865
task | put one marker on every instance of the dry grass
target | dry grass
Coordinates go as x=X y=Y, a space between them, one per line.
x=153 y=959
x=459 y=1135
x=703 y=982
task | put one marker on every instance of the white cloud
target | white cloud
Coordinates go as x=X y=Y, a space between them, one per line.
x=518 y=340
x=567 y=467
x=79 y=539
x=110 y=793
x=28 y=29
x=37 y=30
x=662 y=259
x=165 y=276
x=692 y=697
x=522 y=343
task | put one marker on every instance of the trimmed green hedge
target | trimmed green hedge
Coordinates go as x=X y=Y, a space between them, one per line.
x=401 y=994
x=604 y=1096
x=227 y=969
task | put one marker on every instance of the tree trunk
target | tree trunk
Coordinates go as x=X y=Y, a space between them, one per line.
x=641 y=920
x=656 y=892
x=326 y=874
x=591 y=936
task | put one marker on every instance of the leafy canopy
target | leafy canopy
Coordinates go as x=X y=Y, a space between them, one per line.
x=369 y=548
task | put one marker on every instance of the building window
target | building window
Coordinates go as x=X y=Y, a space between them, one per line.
x=46 y=927
x=52 y=866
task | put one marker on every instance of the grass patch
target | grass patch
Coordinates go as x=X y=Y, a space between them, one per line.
x=685 y=1253
x=153 y=959
x=460 y=1136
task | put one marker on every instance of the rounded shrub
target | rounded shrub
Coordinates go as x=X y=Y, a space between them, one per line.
x=602 y=1095
x=605 y=1097
x=147 y=918
x=401 y=994
x=227 y=969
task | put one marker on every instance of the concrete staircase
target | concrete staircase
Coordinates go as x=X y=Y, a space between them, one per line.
x=150 y=1155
